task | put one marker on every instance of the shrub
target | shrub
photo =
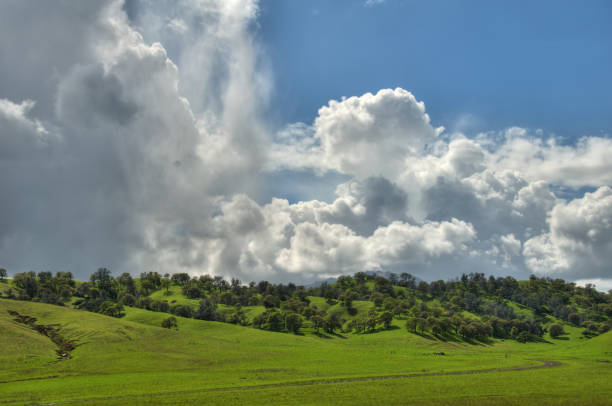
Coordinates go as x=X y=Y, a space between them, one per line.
x=170 y=322
x=555 y=330
x=523 y=337
x=293 y=322
x=182 y=310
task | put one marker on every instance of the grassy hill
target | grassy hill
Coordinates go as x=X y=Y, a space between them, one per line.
x=134 y=361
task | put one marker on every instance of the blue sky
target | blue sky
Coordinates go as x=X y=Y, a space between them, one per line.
x=477 y=65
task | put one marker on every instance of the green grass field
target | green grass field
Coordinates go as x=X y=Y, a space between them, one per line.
x=133 y=361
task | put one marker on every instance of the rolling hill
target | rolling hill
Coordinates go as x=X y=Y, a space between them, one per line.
x=132 y=360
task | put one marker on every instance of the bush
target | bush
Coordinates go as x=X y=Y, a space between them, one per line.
x=182 y=310
x=386 y=318
x=555 y=330
x=574 y=318
x=110 y=308
x=523 y=337
x=207 y=311
x=127 y=299
x=293 y=322
x=275 y=321
x=170 y=322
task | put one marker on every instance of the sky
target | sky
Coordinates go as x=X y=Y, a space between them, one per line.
x=295 y=141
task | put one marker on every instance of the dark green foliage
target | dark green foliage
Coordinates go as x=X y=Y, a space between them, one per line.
x=182 y=311
x=386 y=318
x=435 y=326
x=523 y=337
x=227 y=298
x=474 y=330
x=237 y=316
x=44 y=287
x=370 y=322
x=432 y=309
x=270 y=301
x=3 y=274
x=28 y=283
x=293 y=322
x=170 y=322
x=103 y=282
x=270 y=320
x=110 y=308
x=127 y=283
x=192 y=290
x=332 y=323
x=49 y=296
x=377 y=298
x=207 y=310
x=575 y=319
x=254 y=300
x=555 y=330
x=317 y=322
x=160 y=306
x=165 y=284
x=292 y=305
x=180 y=278
x=127 y=299
x=275 y=321
x=411 y=324
x=150 y=281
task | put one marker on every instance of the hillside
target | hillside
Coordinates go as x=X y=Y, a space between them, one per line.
x=133 y=361
x=470 y=309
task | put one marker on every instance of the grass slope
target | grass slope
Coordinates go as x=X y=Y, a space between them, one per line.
x=133 y=361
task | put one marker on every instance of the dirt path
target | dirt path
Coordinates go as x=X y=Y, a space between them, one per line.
x=545 y=364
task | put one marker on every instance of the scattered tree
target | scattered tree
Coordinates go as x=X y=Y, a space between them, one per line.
x=293 y=322
x=170 y=322
x=555 y=330
x=317 y=322
x=386 y=318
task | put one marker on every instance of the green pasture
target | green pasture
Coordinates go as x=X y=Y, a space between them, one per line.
x=174 y=296
x=134 y=361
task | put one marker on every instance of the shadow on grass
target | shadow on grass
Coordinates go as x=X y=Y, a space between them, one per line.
x=424 y=335
x=472 y=341
x=447 y=337
x=536 y=339
x=328 y=336
x=378 y=330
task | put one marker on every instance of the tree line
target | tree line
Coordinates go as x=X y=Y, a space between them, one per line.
x=505 y=307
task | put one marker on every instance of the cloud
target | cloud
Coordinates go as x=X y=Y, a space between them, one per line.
x=580 y=239
x=141 y=144
x=604 y=285
x=308 y=240
x=177 y=25
x=115 y=168
x=411 y=244
x=382 y=129
x=21 y=135
x=585 y=163
x=501 y=184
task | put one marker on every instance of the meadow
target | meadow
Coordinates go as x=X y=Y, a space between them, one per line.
x=131 y=360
